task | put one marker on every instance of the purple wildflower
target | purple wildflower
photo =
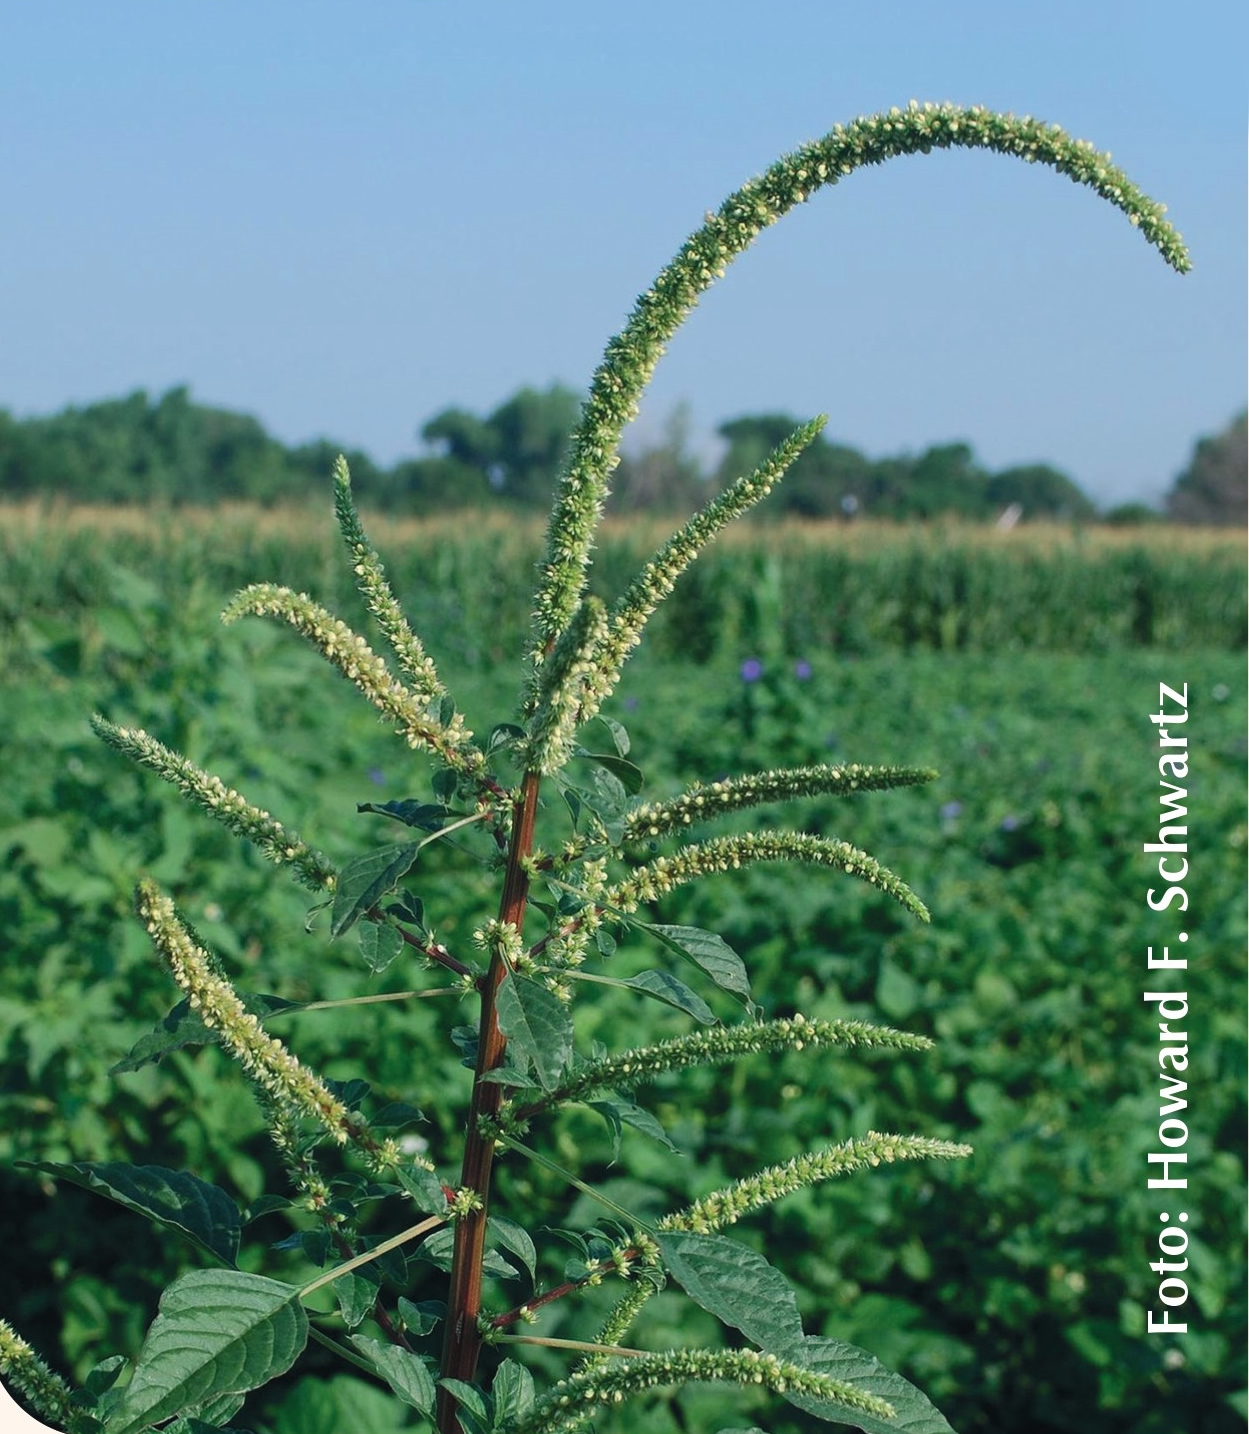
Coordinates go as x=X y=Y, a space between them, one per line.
x=377 y=776
x=950 y=810
x=752 y=670
x=1010 y=823
x=802 y=670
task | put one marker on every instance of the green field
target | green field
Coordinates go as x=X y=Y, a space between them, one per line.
x=1012 y=1287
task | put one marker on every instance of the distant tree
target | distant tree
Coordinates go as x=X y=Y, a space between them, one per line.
x=1212 y=489
x=667 y=478
x=1127 y=515
x=828 y=480
x=1041 y=491
x=518 y=448
x=946 y=479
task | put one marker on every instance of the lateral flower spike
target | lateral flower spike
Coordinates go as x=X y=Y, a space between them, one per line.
x=701 y=803
x=631 y=356
x=718 y=1046
x=281 y=1075
x=277 y=842
x=564 y=682
x=357 y=661
x=726 y=1207
x=658 y=877
x=658 y=578
x=577 y=1399
x=378 y=595
x=23 y=1371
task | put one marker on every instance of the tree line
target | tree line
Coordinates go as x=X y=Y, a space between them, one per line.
x=140 y=449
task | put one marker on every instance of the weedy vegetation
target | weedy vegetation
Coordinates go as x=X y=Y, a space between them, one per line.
x=545 y=809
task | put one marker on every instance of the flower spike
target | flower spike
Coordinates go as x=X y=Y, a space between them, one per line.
x=631 y=356
x=210 y=793
x=357 y=661
x=379 y=596
x=656 y=878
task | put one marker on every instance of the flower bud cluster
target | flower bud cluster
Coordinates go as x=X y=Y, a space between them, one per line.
x=718 y=1045
x=234 y=811
x=658 y=877
x=701 y=803
x=284 y=1079
x=44 y=1390
x=575 y=1400
x=658 y=578
x=378 y=595
x=357 y=661
x=726 y=1207
x=565 y=678
x=631 y=356
x=567 y=946
x=503 y=937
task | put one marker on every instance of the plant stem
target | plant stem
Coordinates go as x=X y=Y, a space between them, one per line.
x=574 y=1344
x=463 y=1339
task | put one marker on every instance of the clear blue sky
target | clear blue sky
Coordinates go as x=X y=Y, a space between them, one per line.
x=344 y=217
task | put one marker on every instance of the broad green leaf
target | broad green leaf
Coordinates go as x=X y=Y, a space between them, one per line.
x=423 y=1187
x=515 y=1238
x=538 y=1026
x=619 y=737
x=394 y=1114
x=606 y=794
x=363 y=882
x=380 y=943
x=512 y=1392
x=709 y=952
x=183 y=1027
x=628 y=774
x=429 y=817
x=439 y=1247
x=474 y=1405
x=617 y=1112
x=915 y=1414
x=356 y=1293
x=420 y=1316
x=216 y=1332
x=736 y=1285
x=201 y=1212
x=672 y=991
x=407 y=1374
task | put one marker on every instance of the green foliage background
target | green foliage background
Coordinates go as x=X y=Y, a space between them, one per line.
x=1011 y=1287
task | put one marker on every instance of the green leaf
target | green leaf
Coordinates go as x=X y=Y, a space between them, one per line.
x=356 y=1293
x=428 y=816
x=474 y=1410
x=538 y=1026
x=183 y=1027
x=617 y=1112
x=395 y=1114
x=627 y=774
x=915 y=1413
x=439 y=1247
x=736 y=1285
x=419 y=1317
x=663 y=986
x=515 y=1238
x=216 y=1332
x=203 y=1213
x=710 y=953
x=407 y=1374
x=363 y=882
x=619 y=737
x=380 y=943
x=512 y=1392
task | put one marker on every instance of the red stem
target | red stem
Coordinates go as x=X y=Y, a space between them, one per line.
x=462 y=1343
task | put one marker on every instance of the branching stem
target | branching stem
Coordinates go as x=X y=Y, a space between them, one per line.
x=463 y=1339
